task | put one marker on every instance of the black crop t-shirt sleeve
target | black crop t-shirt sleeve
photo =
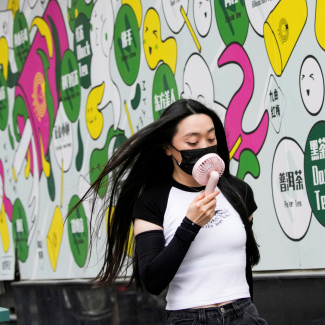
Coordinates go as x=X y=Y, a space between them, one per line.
x=151 y=204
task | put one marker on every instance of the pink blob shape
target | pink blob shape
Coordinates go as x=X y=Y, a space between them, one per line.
x=34 y=65
x=6 y=201
x=233 y=121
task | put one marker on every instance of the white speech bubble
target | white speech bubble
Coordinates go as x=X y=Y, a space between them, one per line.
x=289 y=190
x=198 y=84
x=62 y=139
x=275 y=103
x=311 y=82
x=173 y=15
x=202 y=16
x=101 y=39
x=40 y=250
x=258 y=11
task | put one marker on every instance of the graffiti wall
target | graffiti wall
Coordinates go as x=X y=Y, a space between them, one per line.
x=78 y=77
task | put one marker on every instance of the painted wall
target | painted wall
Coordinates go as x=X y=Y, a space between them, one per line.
x=78 y=77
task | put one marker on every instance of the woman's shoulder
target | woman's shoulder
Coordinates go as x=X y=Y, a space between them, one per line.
x=151 y=204
x=155 y=192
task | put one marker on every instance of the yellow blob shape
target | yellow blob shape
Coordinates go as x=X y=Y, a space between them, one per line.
x=155 y=49
x=282 y=30
x=13 y=5
x=4 y=229
x=4 y=56
x=54 y=237
x=44 y=30
x=14 y=173
x=76 y=13
x=137 y=8
x=94 y=118
x=45 y=164
x=129 y=248
x=320 y=23
x=68 y=16
x=27 y=168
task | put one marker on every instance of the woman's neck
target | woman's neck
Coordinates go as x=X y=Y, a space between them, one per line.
x=185 y=179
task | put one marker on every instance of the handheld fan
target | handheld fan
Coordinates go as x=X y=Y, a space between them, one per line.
x=208 y=170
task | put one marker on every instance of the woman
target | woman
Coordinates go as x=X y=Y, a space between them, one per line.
x=203 y=247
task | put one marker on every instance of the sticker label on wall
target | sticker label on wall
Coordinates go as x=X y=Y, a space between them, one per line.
x=314 y=165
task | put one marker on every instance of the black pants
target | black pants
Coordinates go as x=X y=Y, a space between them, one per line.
x=239 y=312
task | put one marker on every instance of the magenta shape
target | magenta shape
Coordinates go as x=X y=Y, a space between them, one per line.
x=6 y=201
x=32 y=66
x=254 y=140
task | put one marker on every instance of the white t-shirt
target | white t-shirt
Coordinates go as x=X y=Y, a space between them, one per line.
x=213 y=269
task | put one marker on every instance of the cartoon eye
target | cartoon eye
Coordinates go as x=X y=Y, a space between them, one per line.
x=5 y=27
x=312 y=76
x=155 y=32
x=146 y=29
x=302 y=77
x=200 y=3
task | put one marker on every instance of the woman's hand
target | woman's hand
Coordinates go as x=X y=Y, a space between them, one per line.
x=202 y=209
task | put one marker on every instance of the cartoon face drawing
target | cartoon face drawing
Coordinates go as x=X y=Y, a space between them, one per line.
x=94 y=118
x=101 y=37
x=151 y=37
x=202 y=16
x=6 y=26
x=173 y=15
x=102 y=27
x=311 y=83
x=154 y=48
x=6 y=31
x=198 y=84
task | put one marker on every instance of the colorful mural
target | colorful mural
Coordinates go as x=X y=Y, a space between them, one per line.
x=77 y=78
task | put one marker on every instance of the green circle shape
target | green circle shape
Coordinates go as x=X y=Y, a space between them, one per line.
x=127 y=44
x=164 y=83
x=312 y=169
x=70 y=87
x=78 y=240
x=21 y=39
x=4 y=111
x=82 y=49
x=77 y=8
x=20 y=238
x=232 y=20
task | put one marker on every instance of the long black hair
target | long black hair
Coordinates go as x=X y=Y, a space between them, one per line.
x=139 y=164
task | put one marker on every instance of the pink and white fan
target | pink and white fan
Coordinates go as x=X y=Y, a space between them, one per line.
x=208 y=170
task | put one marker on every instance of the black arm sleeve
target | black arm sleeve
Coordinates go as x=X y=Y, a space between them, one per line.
x=158 y=264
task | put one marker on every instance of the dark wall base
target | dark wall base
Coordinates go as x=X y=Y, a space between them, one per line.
x=291 y=301
x=281 y=301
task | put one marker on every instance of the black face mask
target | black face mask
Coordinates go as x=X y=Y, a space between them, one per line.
x=190 y=157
